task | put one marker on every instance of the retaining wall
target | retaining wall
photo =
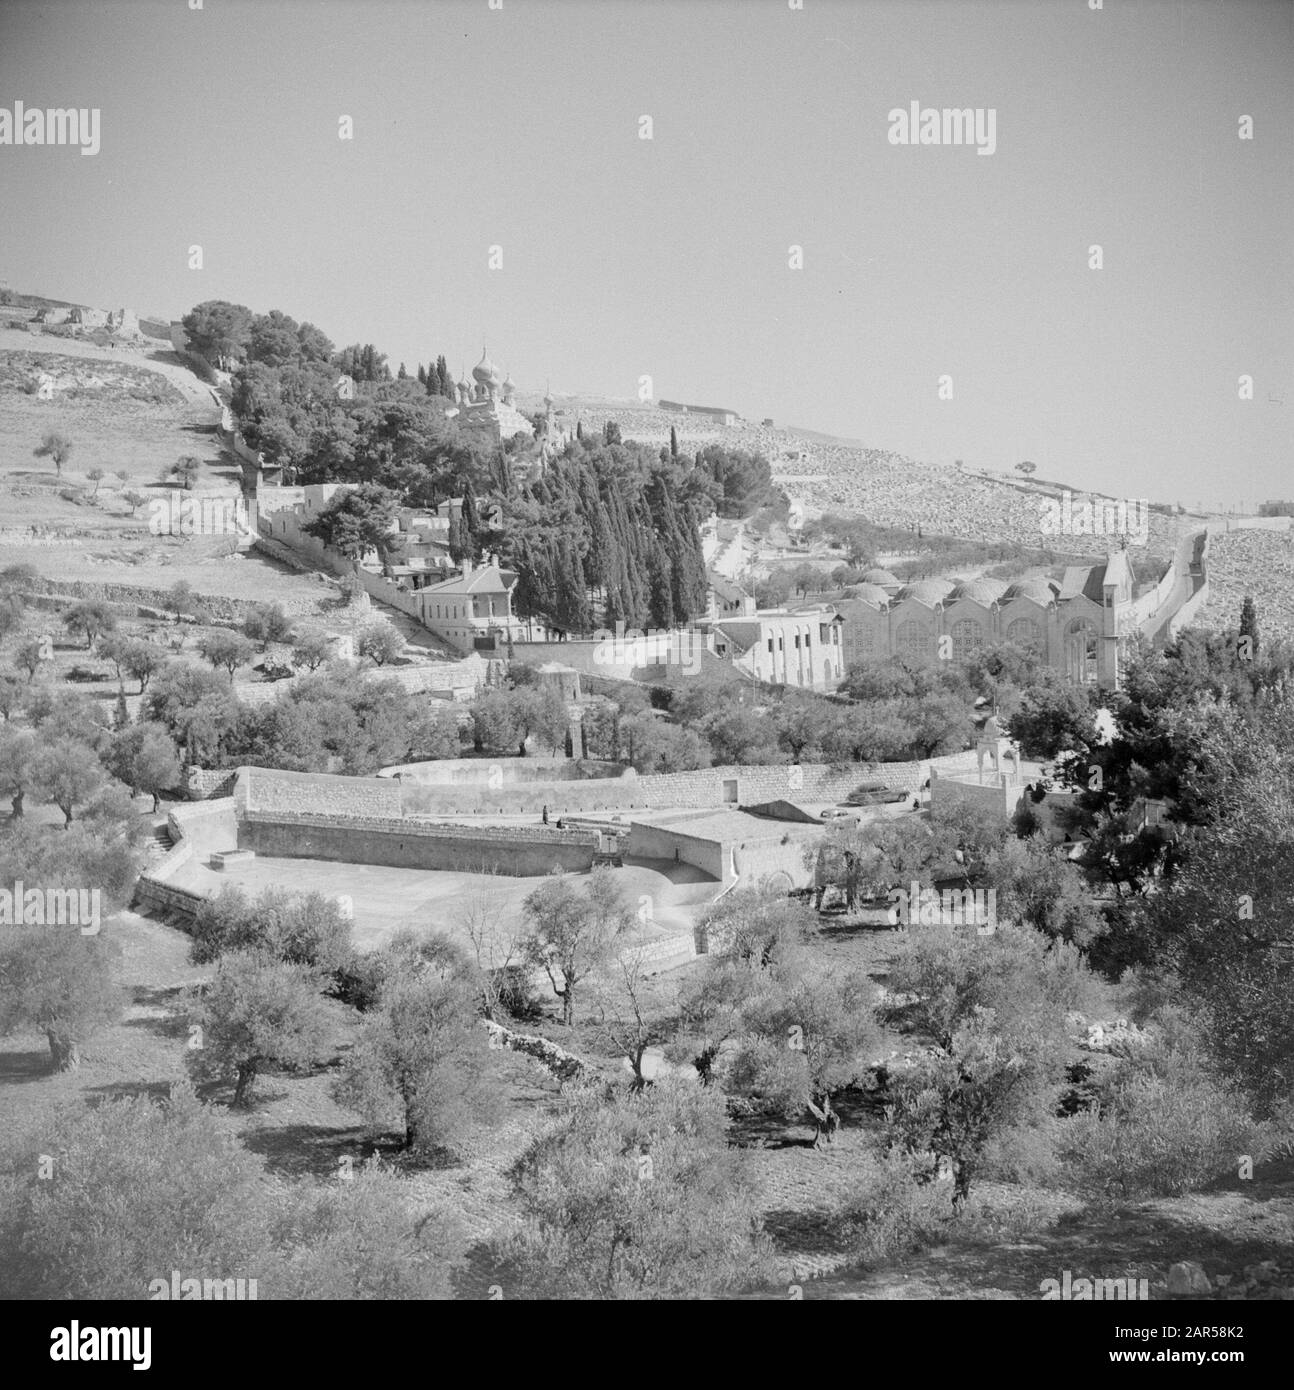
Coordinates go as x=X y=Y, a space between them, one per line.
x=508 y=772
x=661 y=841
x=520 y=852
x=699 y=790
x=272 y=790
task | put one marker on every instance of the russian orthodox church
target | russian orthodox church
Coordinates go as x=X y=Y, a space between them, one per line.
x=488 y=404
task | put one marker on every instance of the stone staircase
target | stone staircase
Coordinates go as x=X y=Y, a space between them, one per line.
x=159 y=842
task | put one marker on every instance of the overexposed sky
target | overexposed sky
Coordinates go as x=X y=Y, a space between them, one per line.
x=622 y=257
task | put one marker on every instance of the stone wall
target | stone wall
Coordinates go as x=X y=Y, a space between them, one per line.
x=136 y=596
x=505 y=771
x=664 y=953
x=999 y=794
x=195 y=830
x=167 y=900
x=520 y=852
x=210 y=782
x=706 y=787
x=274 y=790
x=662 y=842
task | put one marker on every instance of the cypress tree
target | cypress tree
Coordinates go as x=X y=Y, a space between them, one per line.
x=402 y=375
x=673 y=442
x=422 y=375
x=1249 y=624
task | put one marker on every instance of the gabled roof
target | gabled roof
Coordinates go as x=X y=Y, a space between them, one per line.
x=725 y=588
x=1117 y=569
x=743 y=633
x=1083 y=581
x=483 y=579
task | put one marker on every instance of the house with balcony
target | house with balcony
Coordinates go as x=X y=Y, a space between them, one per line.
x=472 y=610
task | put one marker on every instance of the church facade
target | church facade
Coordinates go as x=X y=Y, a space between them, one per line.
x=1079 y=625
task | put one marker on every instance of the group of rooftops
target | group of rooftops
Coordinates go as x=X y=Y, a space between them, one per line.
x=879 y=588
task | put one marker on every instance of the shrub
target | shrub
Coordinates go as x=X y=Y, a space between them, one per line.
x=1162 y=1127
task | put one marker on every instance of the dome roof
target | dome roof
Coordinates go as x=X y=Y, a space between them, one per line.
x=485 y=370
x=508 y=383
x=871 y=593
x=928 y=591
x=984 y=591
x=881 y=577
x=1039 y=590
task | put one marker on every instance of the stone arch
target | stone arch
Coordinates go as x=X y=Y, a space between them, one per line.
x=1025 y=632
x=1082 y=642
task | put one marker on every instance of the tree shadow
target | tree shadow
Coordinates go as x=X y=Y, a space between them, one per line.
x=173 y=1023
x=128 y=1090
x=16 y=1068
x=306 y=1150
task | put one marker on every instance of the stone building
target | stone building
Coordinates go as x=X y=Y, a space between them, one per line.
x=472 y=611
x=800 y=647
x=1079 y=624
x=486 y=405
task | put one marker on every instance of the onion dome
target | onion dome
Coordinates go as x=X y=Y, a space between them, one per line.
x=485 y=371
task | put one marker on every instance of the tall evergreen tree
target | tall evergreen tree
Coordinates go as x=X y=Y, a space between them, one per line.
x=422 y=375
x=1249 y=625
x=402 y=375
x=673 y=442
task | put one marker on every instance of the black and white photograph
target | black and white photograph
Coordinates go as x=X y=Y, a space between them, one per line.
x=646 y=655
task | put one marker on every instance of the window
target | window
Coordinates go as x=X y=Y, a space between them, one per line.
x=1081 y=642
x=770 y=644
x=913 y=638
x=822 y=633
x=968 y=638
x=1024 y=632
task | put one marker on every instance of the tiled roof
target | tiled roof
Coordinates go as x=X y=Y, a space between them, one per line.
x=483 y=579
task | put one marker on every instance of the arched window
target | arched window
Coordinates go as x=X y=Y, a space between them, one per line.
x=913 y=638
x=1081 y=651
x=1024 y=632
x=968 y=638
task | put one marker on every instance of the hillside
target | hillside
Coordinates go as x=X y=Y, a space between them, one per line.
x=836 y=475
